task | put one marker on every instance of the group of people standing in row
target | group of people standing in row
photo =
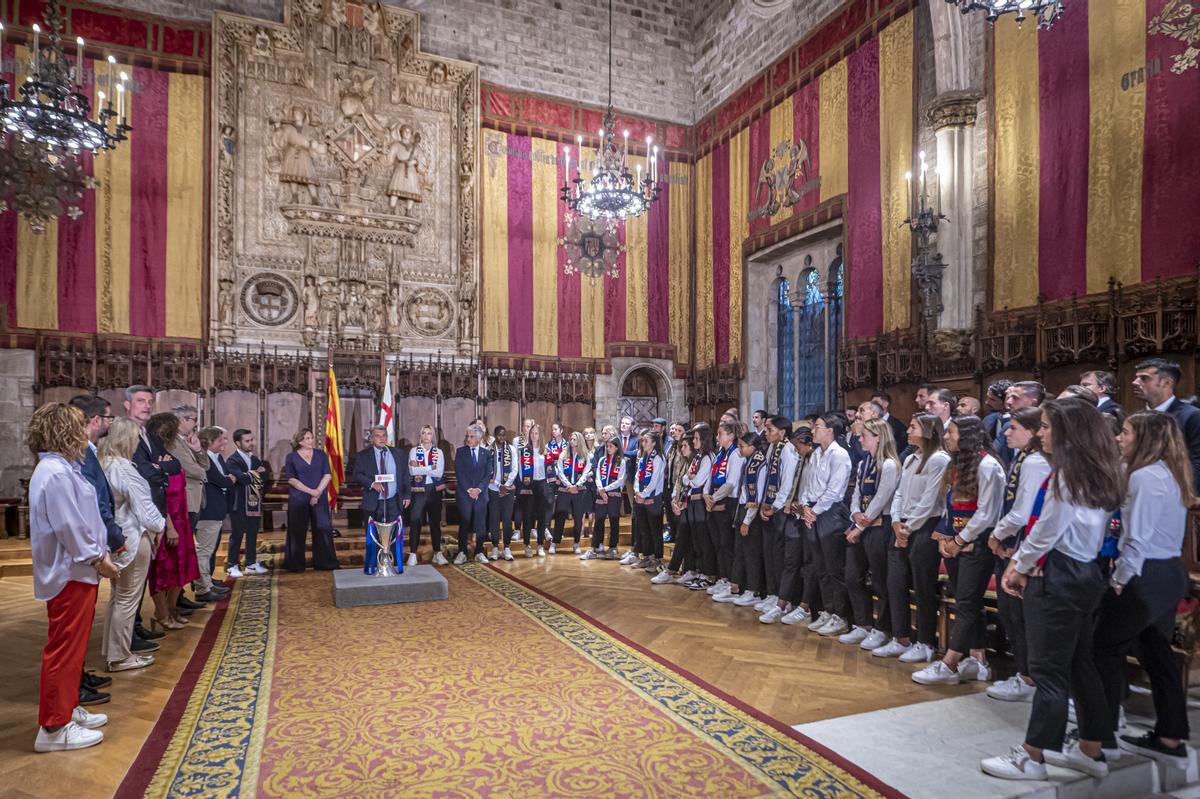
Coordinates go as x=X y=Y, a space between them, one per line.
x=140 y=500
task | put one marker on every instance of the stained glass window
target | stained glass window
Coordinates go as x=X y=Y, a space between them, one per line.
x=836 y=289
x=785 y=332
x=811 y=357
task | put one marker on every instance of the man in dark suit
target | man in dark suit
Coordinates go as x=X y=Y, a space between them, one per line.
x=899 y=428
x=472 y=473
x=218 y=483
x=383 y=499
x=1104 y=386
x=245 y=504
x=1155 y=383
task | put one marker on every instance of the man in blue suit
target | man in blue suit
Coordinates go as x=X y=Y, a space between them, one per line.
x=385 y=500
x=218 y=484
x=472 y=473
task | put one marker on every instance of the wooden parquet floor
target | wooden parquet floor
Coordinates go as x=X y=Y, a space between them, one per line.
x=790 y=674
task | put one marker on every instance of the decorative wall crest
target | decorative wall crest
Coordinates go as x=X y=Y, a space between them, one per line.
x=782 y=179
x=345 y=173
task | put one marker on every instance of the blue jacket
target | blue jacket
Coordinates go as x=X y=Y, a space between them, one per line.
x=236 y=497
x=95 y=475
x=217 y=487
x=471 y=474
x=365 y=469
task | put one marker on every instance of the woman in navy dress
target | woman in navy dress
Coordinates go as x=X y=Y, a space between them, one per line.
x=307 y=473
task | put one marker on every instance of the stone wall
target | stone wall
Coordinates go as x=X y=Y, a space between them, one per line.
x=18 y=370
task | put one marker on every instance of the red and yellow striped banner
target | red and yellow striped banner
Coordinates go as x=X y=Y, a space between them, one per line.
x=115 y=269
x=530 y=306
x=1096 y=165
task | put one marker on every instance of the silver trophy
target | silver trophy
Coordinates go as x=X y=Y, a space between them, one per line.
x=381 y=535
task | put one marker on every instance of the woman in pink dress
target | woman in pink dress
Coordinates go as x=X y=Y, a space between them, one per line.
x=174 y=564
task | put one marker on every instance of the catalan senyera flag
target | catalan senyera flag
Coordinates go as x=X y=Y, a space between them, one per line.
x=133 y=262
x=1096 y=166
x=333 y=441
x=385 y=410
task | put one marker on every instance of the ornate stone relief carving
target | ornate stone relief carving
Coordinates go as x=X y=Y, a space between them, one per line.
x=345 y=194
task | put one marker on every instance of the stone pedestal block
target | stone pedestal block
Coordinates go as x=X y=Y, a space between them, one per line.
x=352 y=588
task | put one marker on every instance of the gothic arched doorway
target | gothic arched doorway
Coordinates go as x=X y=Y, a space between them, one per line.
x=641 y=391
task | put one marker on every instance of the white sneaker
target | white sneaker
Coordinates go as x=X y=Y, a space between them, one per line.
x=685 y=578
x=508 y=554
x=516 y=536
x=412 y=559
x=1016 y=765
x=440 y=560
x=91 y=721
x=836 y=626
x=873 y=641
x=546 y=536
x=628 y=558
x=552 y=549
x=529 y=553
x=481 y=558
x=856 y=635
x=917 y=653
x=820 y=621
x=495 y=554
x=768 y=602
x=937 y=673
x=591 y=554
x=969 y=668
x=69 y=736
x=797 y=615
x=772 y=615
x=719 y=586
x=576 y=550
x=1014 y=689
x=662 y=578
x=746 y=599
x=727 y=598
x=461 y=559
x=541 y=552
x=256 y=568
x=234 y=572
x=892 y=649
x=1071 y=757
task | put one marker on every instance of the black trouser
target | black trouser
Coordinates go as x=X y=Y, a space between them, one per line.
x=573 y=505
x=1060 y=610
x=243 y=527
x=426 y=507
x=683 y=554
x=531 y=499
x=897 y=587
x=773 y=550
x=302 y=514
x=831 y=559
x=550 y=507
x=923 y=559
x=755 y=557
x=969 y=575
x=810 y=573
x=1142 y=620
x=472 y=520
x=500 y=517
x=648 y=519
x=737 y=570
x=702 y=537
x=610 y=510
x=1012 y=618
x=720 y=531
x=870 y=556
x=791 y=578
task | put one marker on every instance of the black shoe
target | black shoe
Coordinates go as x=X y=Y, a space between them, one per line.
x=210 y=597
x=147 y=635
x=183 y=603
x=141 y=645
x=89 y=697
x=184 y=611
x=94 y=681
x=223 y=590
x=1151 y=746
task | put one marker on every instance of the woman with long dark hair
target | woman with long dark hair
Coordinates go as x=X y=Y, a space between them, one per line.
x=916 y=510
x=574 y=471
x=648 y=481
x=697 y=479
x=174 y=564
x=609 y=480
x=533 y=496
x=307 y=472
x=1148 y=579
x=974 y=500
x=681 y=568
x=1055 y=569
x=720 y=503
x=1030 y=471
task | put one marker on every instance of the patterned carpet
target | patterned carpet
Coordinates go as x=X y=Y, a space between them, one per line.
x=500 y=691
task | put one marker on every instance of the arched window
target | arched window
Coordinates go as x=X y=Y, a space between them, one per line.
x=811 y=357
x=836 y=291
x=785 y=335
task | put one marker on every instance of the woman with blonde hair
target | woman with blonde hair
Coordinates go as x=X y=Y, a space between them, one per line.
x=141 y=522
x=533 y=467
x=574 y=472
x=597 y=449
x=70 y=555
x=427 y=467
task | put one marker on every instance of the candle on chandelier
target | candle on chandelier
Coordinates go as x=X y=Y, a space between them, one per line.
x=654 y=161
x=37 y=50
x=121 y=101
x=639 y=178
x=79 y=60
x=625 y=157
x=579 y=169
x=567 y=169
x=908 y=192
x=112 y=60
x=924 y=188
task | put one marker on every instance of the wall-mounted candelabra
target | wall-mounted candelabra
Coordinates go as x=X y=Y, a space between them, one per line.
x=924 y=214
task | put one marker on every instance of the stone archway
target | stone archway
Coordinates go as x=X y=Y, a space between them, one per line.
x=641 y=391
x=651 y=390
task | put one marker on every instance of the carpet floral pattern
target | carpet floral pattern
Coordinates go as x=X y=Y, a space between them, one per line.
x=497 y=692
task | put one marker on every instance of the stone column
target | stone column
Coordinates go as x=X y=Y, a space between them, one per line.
x=952 y=117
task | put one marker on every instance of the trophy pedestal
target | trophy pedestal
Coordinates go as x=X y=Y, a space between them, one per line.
x=352 y=588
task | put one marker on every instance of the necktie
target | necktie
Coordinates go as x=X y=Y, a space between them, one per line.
x=382 y=463
x=474 y=456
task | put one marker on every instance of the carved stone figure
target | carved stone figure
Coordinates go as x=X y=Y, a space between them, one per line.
x=262 y=42
x=298 y=149
x=225 y=302
x=312 y=303
x=373 y=18
x=375 y=310
x=437 y=73
x=357 y=99
x=393 y=311
x=228 y=143
x=407 y=172
x=352 y=306
x=330 y=304
x=335 y=15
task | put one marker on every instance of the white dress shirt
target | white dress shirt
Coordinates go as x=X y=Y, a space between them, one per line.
x=66 y=532
x=990 y=499
x=919 y=497
x=831 y=476
x=789 y=462
x=422 y=468
x=1074 y=530
x=657 y=477
x=1153 y=521
x=1034 y=471
x=733 y=475
x=887 y=478
x=602 y=468
x=510 y=478
x=133 y=509
x=539 y=462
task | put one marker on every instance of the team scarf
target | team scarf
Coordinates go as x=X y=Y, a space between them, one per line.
x=752 y=468
x=868 y=481
x=425 y=457
x=720 y=467
x=555 y=446
x=1014 y=480
x=527 y=454
x=693 y=470
x=1110 y=548
x=573 y=465
x=504 y=458
x=958 y=513
x=1036 y=513
x=611 y=467
x=774 y=474
x=645 y=471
